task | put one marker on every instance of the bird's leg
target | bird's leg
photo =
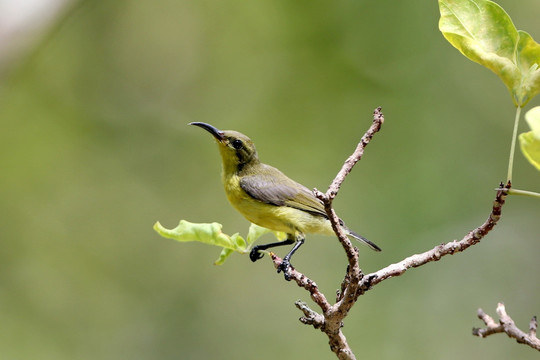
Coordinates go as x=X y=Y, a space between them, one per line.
x=255 y=255
x=286 y=262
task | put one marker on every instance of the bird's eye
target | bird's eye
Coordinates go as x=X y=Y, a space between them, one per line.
x=237 y=144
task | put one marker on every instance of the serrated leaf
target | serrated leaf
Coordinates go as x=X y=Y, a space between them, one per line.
x=483 y=32
x=530 y=141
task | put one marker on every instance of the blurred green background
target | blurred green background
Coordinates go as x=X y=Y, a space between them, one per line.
x=95 y=149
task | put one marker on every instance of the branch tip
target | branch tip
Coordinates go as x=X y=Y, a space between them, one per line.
x=533 y=325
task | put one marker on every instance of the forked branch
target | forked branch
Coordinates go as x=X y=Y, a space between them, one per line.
x=507 y=325
x=331 y=319
x=355 y=283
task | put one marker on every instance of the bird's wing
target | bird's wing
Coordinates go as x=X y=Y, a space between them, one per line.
x=271 y=186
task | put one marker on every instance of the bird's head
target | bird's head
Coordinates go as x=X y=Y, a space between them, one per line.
x=237 y=150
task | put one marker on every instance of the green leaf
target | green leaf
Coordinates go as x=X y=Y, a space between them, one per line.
x=211 y=234
x=530 y=141
x=482 y=31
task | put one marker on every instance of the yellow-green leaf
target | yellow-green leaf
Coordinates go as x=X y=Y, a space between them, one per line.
x=206 y=233
x=225 y=253
x=482 y=31
x=210 y=233
x=533 y=119
x=256 y=231
x=530 y=141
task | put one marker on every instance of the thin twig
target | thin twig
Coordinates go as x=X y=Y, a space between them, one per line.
x=310 y=317
x=507 y=325
x=378 y=120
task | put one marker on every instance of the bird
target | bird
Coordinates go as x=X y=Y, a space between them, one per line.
x=268 y=198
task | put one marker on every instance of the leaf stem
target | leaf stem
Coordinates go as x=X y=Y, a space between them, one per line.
x=523 y=192
x=513 y=146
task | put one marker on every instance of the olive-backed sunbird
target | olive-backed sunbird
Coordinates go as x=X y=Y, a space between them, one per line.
x=267 y=197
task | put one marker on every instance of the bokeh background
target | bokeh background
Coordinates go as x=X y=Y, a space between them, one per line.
x=95 y=148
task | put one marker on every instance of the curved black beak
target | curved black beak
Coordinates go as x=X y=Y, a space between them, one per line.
x=218 y=134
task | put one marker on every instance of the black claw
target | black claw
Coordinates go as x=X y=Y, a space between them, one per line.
x=255 y=255
x=285 y=266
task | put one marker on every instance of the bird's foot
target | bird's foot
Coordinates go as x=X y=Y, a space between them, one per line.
x=254 y=254
x=285 y=266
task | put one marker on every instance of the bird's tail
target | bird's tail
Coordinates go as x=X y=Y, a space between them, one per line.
x=363 y=240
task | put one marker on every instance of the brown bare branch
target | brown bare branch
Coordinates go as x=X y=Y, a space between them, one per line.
x=507 y=325
x=378 y=120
